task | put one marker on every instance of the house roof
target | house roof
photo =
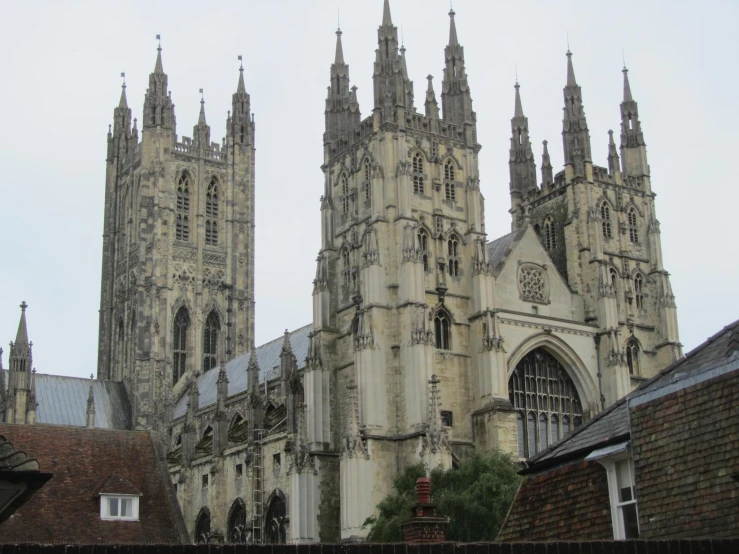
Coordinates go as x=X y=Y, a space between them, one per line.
x=63 y=401
x=612 y=425
x=268 y=358
x=66 y=510
x=500 y=248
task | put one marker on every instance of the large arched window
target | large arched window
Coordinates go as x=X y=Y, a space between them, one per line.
x=418 y=178
x=443 y=330
x=550 y=239
x=639 y=291
x=202 y=527
x=344 y=194
x=547 y=403
x=453 y=251
x=632 y=357
x=633 y=226
x=210 y=341
x=182 y=228
x=211 y=213
x=423 y=246
x=450 y=188
x=237 y=530
x=276 y=532
x=605 y=216
x=181 y=328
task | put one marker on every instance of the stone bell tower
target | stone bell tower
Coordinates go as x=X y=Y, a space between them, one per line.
x=177 y=287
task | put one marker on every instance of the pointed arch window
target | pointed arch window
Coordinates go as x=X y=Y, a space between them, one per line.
x=367 y=183
x=605 y=216
x=418 y=177
x=179 y=358
x=639 y=291
x=211 y=214
x=633 y=226
x=632 y=357
x=442 y=330
x=344 y=194
x=237 y=530
x=453 y=251
x=423 y=246
x=182 y=227
x=202 y=527
x=347 y=266
x=550 y=239
x=545 y=398
x=450 y=188
x=210 y=341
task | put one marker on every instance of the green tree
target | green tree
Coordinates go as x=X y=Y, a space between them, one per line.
x=475 y=497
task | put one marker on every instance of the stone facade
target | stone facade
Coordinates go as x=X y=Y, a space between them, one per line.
x=177 y=290
x=427 y=340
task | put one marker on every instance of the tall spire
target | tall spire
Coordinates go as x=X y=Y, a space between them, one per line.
x=521 y=162
x=20 y=359
x=122 y=118
x=575 y=133
x=158 y=107
x=123 y=102
x=201 y=117
x=456 y=99
x=614 y=164
x=21 y=337
x=547 y=178
x=342 y=109
x=386 y=17
x=240 y=125
x=633 y=146
x=339 y=58
x=390 y=80
x=432 y=106
x=201 y=132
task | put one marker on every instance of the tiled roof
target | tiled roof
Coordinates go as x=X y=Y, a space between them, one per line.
x=613 y=423
x=65 y=509
x=63 y=401
x=500 y=248
x=268 y=358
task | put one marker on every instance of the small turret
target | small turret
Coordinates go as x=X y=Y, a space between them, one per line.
x=456 y=99
x=547 y=177
x=614 y=165
x=158 y=107
x=201 y=131
x=90 y=413
x=19 y=374
x=432 y=106
x=521 y=163
x=342 y=109
x=21 y=358
x=389 y=77
x=575 y=134
x=241 y=125
x=122 y=116
x=633 y=147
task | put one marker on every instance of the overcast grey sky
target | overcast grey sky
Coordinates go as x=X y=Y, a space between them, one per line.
x=61 y=62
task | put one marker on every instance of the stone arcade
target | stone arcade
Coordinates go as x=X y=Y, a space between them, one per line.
x=427 y=340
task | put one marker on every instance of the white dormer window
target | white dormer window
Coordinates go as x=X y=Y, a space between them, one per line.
x=121 y=507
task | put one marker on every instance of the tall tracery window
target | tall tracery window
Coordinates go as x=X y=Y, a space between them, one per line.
x=632 y=357
x=367 y=182
x=547 y=403
x=237 y=530
x=182 y=227
x=633 y=226
x=210 y=341
x=344 y=194
x=347 y=266
x=453 y=251
x=202 y=527
x=550 y=239
x=442 y=330
x=211 y=214
x=181 y=328
x=639 y=291
x=449 y=187
x=275 y=524
x=605 y=216
x=418 y=179
x=423 y=246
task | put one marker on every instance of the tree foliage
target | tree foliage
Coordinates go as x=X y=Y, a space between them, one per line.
x=475 y=497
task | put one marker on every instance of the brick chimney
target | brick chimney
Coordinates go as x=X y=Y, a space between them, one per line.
x=425 y=525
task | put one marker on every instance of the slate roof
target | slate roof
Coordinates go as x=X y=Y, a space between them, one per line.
x=268 y=358
x=63 y=401
x=612 y=425
x=65 y=510
x=500 y=248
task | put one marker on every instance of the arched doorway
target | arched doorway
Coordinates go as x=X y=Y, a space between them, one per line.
x=202 y=527
x=275 y=528
x=237 y=531
x=546 y=400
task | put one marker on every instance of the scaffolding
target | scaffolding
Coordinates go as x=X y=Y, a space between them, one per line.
x=257 y=489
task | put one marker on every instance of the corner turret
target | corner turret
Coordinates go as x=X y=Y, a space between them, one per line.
x=241 y=125
x=575 y=133
x=456 y=99
x=633 y=147
x=158 y=106
x=521 y=163
x=342 y=109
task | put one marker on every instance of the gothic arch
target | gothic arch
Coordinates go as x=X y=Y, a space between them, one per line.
x=275 y=521
x=236 y=419
x=202 y=526
x=450 y=156
x=237 y=532
x=566 y=355
x=182 y=302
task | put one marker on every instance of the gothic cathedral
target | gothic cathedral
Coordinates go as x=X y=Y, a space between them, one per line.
x=428 y=340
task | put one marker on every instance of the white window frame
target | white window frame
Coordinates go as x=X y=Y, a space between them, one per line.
x=105 y=507
x=609 y=457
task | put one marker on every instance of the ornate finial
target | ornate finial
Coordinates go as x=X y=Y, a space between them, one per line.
x=568 y=44
x=123 y=76
x=159 y=38
x=24 y=306
x=623 y=57
x=515 y=68
x=202 y=97
x=338 y=20
x=91 y=377
x=241 y=63
x=402 y=38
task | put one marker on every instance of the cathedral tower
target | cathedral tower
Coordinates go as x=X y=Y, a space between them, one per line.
x=177 y=292
x=600 y=228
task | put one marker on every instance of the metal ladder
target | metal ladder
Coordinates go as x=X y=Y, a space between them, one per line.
x=257 y=488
